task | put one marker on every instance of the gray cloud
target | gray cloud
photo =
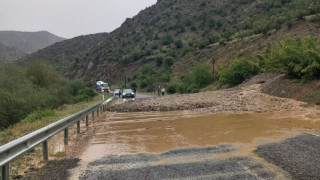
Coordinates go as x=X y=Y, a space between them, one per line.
x=68 y=18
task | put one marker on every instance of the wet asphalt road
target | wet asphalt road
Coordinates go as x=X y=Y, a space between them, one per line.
x=187 y=163
x=294 y=158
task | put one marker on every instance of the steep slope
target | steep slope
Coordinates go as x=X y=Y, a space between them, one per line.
x=243 y=48
x=28 y=42
x=9 y=54
x=64 y=55
x=170 y=29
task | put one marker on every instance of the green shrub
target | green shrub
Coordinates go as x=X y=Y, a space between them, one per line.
x=297 y=57
x=169 y=61
x=133 y=85
x=188 y=88
x=75 y=86
x=23 y=91
x=201 y=75
x=238 y=71
x=167 y=40
x=159 y=61
x=85 y=94
x=143 y=84
x=172 y=87
x=178 y=44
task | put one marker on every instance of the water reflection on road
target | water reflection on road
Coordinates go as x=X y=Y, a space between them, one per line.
x=158 y=132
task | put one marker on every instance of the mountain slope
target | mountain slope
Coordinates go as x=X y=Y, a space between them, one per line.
x=243 y=48
x=64 y=55
x=28 y=42
x=8 y=54
x=165 y=32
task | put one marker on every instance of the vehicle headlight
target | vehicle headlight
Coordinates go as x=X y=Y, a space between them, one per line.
x=132 y=93
x=123 y=94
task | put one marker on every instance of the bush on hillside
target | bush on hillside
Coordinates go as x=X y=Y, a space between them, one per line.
x=178 y=44
x=238 y=71
x=169 y=61
x=85 y=94
x=75 y=86
x=172 y=87
x=201 y=75
x=297 y=57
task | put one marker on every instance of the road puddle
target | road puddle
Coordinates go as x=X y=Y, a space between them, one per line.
x=158 y=132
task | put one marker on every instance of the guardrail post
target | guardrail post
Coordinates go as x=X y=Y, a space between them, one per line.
x=78 y=127
x=87 y=120
x=66 y=135
x=92 y=115
x=45 y=150
x=98 y=112
x=5 y=172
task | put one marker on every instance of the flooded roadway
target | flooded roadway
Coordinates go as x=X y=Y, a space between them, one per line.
x=224 y=143
x=158 y=132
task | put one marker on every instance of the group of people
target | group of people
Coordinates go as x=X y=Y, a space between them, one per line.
x=162 y=90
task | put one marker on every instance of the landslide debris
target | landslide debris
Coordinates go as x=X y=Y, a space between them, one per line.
x=244 y=98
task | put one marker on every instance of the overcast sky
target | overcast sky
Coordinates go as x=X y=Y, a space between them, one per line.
x=68 y=18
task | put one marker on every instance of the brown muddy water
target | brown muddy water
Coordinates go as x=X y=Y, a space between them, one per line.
x=157 y=132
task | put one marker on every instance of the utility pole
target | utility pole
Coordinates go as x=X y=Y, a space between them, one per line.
x=213 y=61
x=125 y=82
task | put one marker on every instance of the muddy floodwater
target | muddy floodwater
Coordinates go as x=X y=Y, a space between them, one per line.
x=157 y=132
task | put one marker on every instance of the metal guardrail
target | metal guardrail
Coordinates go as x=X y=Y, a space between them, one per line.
x=10 y=151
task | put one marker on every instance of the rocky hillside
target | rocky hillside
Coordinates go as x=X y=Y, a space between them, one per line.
x=8 y=54
x=171 y=31
x=243 y=48
x=65 y=55
x=27 y=42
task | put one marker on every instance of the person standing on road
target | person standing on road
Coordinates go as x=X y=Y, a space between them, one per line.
x=120 y=93
x=163 y=90
x=135 y=92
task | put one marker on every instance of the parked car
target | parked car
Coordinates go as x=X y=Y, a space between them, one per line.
x=128 y=93
x=116 y=92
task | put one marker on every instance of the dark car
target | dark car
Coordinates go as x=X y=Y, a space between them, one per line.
x=128 y=93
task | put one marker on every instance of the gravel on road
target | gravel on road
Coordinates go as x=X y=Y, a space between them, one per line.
x=185 y=163
x=55 y=169
x=300 y=156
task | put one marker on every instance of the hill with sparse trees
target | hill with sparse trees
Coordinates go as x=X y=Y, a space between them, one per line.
x=171 y=37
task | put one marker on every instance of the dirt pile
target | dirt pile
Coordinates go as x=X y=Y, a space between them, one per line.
x=244 y=98
x=294 y=89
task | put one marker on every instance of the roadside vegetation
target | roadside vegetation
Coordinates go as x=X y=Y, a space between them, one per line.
x=34 y=97
x=33 y=122
x=35 y=91
x=297 y=58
